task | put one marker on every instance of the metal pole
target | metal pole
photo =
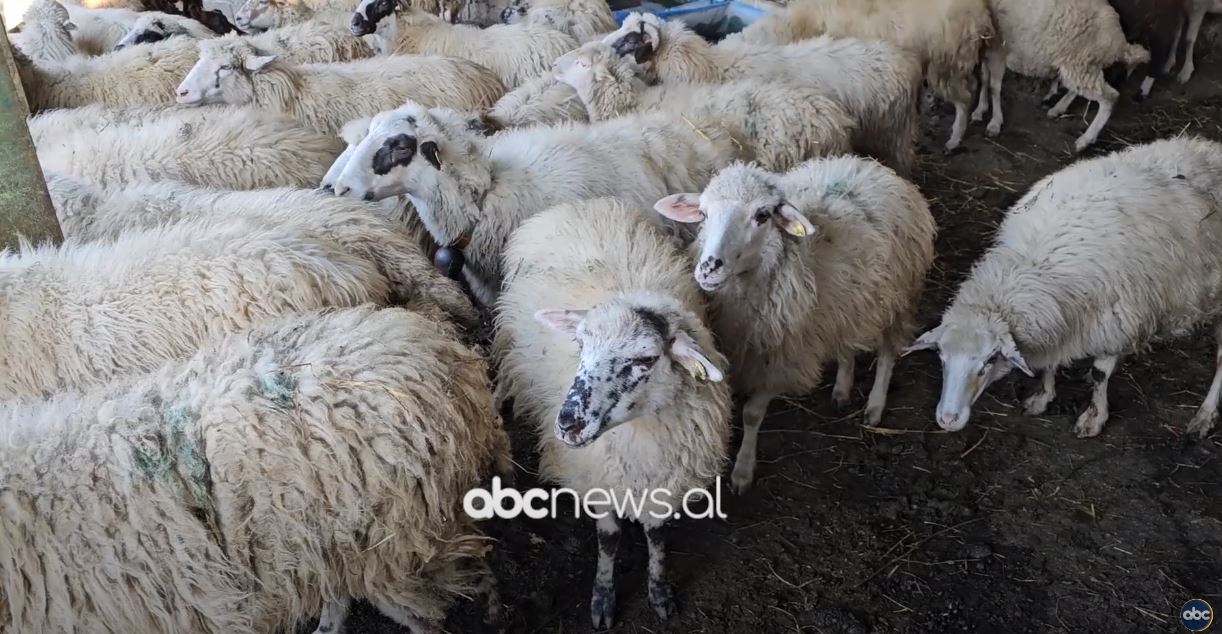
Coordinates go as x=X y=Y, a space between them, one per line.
x=25 y=206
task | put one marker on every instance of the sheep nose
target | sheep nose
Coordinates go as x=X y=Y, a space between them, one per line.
x=567 y=421
x=949 y=421
x=341 y=190
x=183 y=92
x=368 y=197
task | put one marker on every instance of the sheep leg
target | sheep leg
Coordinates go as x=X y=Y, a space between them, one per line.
x=995 y=59
x=1037 y=403
x=334 y=612
x=404 y=616
x=1091 y=84
x=882 y=384
x=1190 y=42
x=1063 y=105
x=1091 y=422
x=1207 y=415
x=959 y=127
x=1053 y=90
x=661 y=595
x=602 y=604
x=982 y=103
x=1175 y=49
x=753 y=417
x=843 y=388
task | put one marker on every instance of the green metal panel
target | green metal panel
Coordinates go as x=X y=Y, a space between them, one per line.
x=25 y=206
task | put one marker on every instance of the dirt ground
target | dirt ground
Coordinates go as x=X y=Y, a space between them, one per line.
x=1012 y=525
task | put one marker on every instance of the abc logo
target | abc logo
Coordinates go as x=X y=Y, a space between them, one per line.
x=1197 y=615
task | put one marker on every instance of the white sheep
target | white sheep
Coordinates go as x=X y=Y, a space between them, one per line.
x=286 y=470
x=1098 y=260
x=156 y=26
x=948 y=36
x=517 y=53
x=878 y=84
x=540 y=101
x=83 y=313
x=150 y=74
x=372 y=232
x=1072 y=41
x=220 y=146
x=324 y=97
x=471 y=192
x=783 y=123
x=807 y=267
x=602 y=346
x=46 y=33
x=583 y=20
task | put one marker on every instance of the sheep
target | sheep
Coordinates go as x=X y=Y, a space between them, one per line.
x=288 y=469
x=876 y=83
x=784 y=124
x=948 y=36
x=540 y=101
x=1098 y=260
x=156 y=27
x=324 y=97
x=1196 y=10
x=583 y=20
x=81 y=314
x=602 y=346
x=46 y=33
x=150 y=74
x=222 y=146
x=1070 y=40
x=213 y=18
x=370 y=232
x=1156 y=26
x=261 y=15
x=517 y=53
x=806 y=267
x=472 y=192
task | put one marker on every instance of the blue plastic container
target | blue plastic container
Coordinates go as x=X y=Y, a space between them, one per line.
x=704 y=16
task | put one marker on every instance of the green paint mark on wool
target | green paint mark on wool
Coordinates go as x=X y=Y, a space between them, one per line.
x=279 y=387
x=837 y=189
x=186 y=451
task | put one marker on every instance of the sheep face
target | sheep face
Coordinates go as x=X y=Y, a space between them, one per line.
x=746 y=220
x=352 y=133
x=400 y=155
x=257 y=15
x=515 y=12
x=223 y=74
x=369 y=13
x=629 y=366
x=592 y=64
x=148 y=29
x=975 y=353
x=638 y=38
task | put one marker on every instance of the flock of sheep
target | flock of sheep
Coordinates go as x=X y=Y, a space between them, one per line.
x=245 y=391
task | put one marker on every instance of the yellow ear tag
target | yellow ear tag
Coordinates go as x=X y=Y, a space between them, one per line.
x=796 y=228
x=695 y=368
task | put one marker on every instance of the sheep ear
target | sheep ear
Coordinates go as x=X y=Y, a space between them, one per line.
x=560 y=320
x=791 y=221
x=680 y=207
x=69 y=26
x=428 y=150
x=258 y=62
x=1009 y=350
x=687 y=352
x=927 y=341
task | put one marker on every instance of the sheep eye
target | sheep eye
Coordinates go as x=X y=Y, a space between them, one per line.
x=644 y=362
x=762 y=216
x=227 y=67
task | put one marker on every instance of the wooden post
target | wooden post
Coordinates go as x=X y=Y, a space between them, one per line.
x=25 y=206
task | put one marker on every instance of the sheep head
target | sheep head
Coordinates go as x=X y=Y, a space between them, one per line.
x=746 y=220
x=223 y=72
x=369 y=13
x=639 y=37
x=634 y=353
x=592 y=65
x=150 y=28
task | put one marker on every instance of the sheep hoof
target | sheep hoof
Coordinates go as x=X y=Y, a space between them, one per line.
x=840 y=400
x=662 y=599
x=873 y=415
x=1090 y=423
x=993 y=130
x=951 y=150
x=1184 y=76
x=1037 y=404
x=1203 y=422
x=742 y=477
x=602 y=607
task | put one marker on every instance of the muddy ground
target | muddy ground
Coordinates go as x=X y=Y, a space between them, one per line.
x=1012 y=525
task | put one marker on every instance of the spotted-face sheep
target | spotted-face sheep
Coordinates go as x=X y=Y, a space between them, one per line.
x=540 y=101
x=602 y=346
x=150 y=74
x=583 y=20
x=807 y=267
x=371 y=232
x=784 y=124
x=261 y=15
x=288 y=469
x=471 y=192
x=948 y=36
x=1098 y=260
x=1197 y=9
x=156 y=27
x=324 y=97
x=1155 y=25
x=1069 y=40
x=517 y=53
x=878 y=84
x=84 y=313
x=222 y=146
